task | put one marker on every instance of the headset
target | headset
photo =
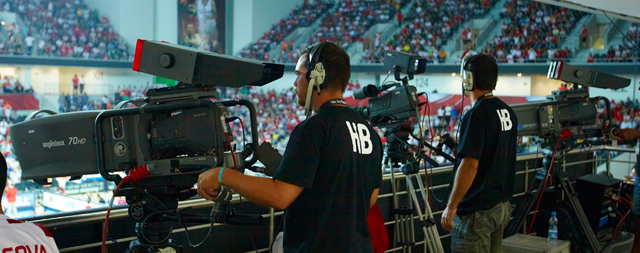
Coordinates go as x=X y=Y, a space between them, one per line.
x=316 y=75
x=467 y=74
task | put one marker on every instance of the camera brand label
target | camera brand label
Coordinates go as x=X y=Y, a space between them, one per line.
x=51 y=144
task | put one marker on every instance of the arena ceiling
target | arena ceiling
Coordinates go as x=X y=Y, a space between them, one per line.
x=623 y=9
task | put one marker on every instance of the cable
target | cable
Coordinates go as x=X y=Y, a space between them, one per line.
x=564 y=134
x=619 y=30
x=251 y=238
x=145 y=221
x=135 y=175
x=385 y=79
x=186 y=231
x=235 y=164
x=244 y=138
x=629 y=204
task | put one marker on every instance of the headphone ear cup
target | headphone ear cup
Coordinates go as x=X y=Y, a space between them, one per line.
x=321 y=72
x=467 y=81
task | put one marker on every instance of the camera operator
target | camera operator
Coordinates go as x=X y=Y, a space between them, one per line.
x=624 y=135
x=331 y=169
x=19 y=235
x=478 y=209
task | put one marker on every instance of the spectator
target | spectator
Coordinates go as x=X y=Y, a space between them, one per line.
x=81 y=82
x=18 y=87
x=75 y=80
x=10 y=192
x=584 y=33
x=6 y=86
x=17 y=234
x=39 y=209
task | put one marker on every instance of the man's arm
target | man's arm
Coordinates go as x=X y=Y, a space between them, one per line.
x=374 y=197
x=463 y=179
x=259 y=190
x=627 y=134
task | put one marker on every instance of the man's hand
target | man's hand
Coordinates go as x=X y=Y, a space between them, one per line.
x=627 y=134
x=447 y=218
x=208 y=184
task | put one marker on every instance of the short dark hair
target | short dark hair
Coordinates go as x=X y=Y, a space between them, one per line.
x=485 y=71
x=3 y=174
x=337 y=64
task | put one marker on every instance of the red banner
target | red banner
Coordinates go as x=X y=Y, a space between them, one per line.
x=20 y=101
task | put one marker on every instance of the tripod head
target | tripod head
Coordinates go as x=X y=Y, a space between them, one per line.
x=397 y=146
x=400 y=151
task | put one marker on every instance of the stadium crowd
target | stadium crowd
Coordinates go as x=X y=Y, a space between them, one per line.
x=301 y=16
x=427 y=27
x=532 y=32
x=353 y=18
x=623 y=52
x=62 y=29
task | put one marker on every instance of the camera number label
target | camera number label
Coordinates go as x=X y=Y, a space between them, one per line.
x=77 y=141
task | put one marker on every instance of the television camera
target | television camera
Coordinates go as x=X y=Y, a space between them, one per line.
x=571 y=109
x=396 y=110
x=567 y=119
x=176 y=133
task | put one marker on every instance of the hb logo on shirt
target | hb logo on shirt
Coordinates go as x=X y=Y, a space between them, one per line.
x=505 y=119
x=360 y=138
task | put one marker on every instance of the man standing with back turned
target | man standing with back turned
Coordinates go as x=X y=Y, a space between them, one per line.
x=478 y=209
x=331 y=170
x=20 y=236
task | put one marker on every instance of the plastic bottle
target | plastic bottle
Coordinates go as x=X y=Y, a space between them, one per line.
x=553 y=228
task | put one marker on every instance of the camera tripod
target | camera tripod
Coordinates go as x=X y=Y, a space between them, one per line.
x=585 y=238
x=404 y=235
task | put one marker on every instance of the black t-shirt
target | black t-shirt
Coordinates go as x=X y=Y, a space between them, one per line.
x=336 y=156
x=488 y=132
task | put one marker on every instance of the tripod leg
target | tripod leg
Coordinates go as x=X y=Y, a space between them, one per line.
x=521 y=212
x=429 y=214
x=578 y=212
x=400 y=216
x=432 y=239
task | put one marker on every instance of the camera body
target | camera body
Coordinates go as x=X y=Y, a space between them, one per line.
x=398 y=104
x=174 y=131
x=570 y=109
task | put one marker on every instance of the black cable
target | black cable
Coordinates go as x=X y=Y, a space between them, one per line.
x=458 y=120
x=186 y=231
x=251 y=238
x=244 y=139
x=621 y=32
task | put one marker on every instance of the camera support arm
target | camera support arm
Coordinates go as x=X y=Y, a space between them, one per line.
x=418 y=152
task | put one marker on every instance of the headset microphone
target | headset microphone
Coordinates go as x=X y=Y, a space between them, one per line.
x=315 y=75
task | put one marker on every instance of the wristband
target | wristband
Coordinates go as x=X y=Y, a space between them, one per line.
x=220 y=174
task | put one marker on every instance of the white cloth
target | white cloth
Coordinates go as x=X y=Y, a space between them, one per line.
x=20 y=236
x=277 y=246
